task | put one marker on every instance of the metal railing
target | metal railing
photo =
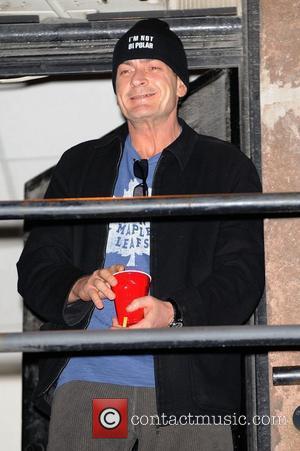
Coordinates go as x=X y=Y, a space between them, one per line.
x=264 y=205
x=153 y=339
x=187 y=205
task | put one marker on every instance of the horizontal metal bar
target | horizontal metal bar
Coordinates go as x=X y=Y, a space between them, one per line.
x=113 y=29
x=86 y=47
x=202 y=12
x=286 y=375
x=82 y=60
x=153 y=339
x=283 y=204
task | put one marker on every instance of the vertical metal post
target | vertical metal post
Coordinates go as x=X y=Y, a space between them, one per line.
x=256 y=373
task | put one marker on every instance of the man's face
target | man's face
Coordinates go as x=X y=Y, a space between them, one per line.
x=147 y=90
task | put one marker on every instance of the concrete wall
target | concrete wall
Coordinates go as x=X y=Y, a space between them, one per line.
x=38 y=122
x=280 y=110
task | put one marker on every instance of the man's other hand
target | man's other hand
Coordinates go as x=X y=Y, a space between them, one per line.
x=96 y=287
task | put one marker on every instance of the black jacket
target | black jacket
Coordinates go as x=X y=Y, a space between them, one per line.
x=212 y=267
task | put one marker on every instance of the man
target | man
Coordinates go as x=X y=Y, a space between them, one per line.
x=204 y=271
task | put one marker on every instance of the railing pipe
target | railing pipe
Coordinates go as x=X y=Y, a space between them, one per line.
x=283 y=204
x=286 y=375
x=153 y=339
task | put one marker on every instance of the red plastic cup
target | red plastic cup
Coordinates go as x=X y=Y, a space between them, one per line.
x=131 y=284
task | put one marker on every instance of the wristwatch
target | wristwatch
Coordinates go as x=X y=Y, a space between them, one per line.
x=177 y=319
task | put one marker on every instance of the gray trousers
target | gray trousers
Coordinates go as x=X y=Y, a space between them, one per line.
x=71 y=423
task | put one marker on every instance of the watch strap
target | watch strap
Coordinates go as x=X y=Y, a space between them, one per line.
x=177 y=319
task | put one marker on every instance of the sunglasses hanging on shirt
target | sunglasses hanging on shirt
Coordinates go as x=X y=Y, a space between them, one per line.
x=140 y=170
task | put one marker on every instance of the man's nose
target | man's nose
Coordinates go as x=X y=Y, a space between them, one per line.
x=138 y=77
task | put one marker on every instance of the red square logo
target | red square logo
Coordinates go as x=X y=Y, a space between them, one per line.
x=110 y=418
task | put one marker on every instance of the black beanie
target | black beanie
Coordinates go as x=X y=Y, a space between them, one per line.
x=151 y=39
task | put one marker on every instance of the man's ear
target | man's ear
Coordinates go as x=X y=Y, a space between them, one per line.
x=181 y=88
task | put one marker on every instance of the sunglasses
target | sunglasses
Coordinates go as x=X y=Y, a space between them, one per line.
x=140 y=170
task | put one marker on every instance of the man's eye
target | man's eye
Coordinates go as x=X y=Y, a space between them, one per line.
x=155 y=68
x=124 y=71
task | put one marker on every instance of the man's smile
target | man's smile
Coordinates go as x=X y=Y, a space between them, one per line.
x=141 y=96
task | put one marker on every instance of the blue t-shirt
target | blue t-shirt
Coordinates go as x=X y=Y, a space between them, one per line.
x=128 y=244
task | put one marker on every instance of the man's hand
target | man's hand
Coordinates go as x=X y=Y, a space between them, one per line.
x=157 y=313
x=96 y=286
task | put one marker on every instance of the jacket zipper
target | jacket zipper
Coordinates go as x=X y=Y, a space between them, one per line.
x=103 y=259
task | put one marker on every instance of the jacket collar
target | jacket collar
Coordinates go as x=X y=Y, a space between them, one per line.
x=181 y=148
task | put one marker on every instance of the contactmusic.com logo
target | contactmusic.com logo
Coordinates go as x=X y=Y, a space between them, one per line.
x=110 y=418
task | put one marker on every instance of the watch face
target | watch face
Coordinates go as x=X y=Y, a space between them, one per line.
x=177 y=324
